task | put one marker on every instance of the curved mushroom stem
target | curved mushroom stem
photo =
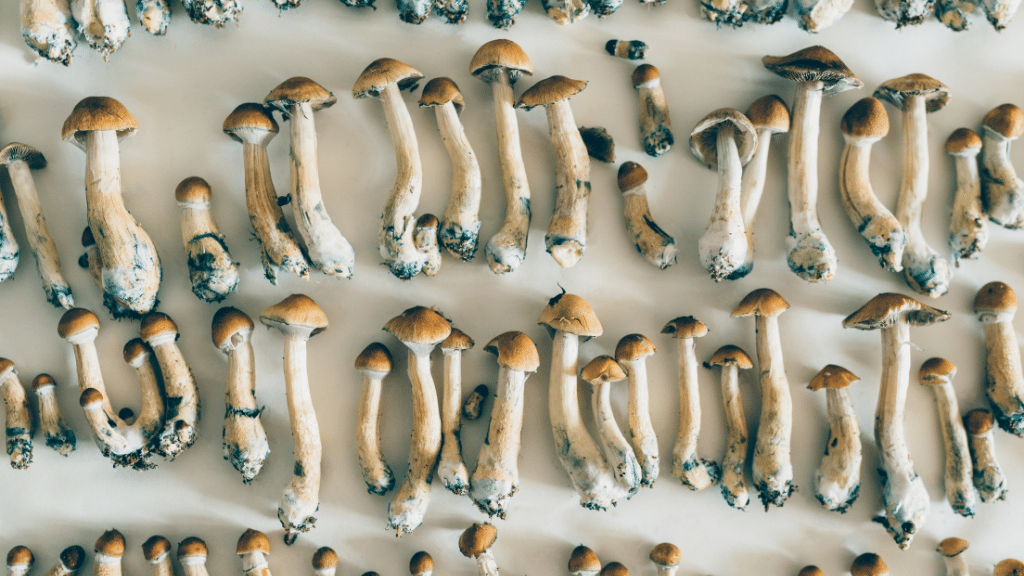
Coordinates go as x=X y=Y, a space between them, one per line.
x=18 y=423
x=954 y=13
x=723 y=246
x=212 y=272
x=179 y=431
x=772 y=470
x=617 y=451
x=1000 y=12
x=450 y=468
x=496 y=476
x=460 y=225
x=301 y=497
x=602 y=8
x=566 y=11
x=816 y=15
x=904 y=12
x=566 y=238
x=154 y=15
x=1003 y=190
x=766 y=11
x=968 y=230
x=453 y=11
x=882 y=231
x=724 y=12
x=655 y=124
x=696 y=474
x=104 y=23
x=397 y=222
x=751 y=188
x=641 y=431
x=245 y=441
x=414 y=11
x=47 y=27
x=837 y=481
x=656 y=245
x=502 y=13
x=960 y=492
x=87 y=365
x=989 y=479
x=58 y=434
x=506 y=250
x=376 y=472
x=9 y=251
x=734 y=487
x=216 y=13
x=1005 y=379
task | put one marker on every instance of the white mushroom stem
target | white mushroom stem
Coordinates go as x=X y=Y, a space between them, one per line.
x=214 y=12
x=182 y=415
x=9 y=251
x=1000 y=12
x=397 y=222
x=414 y=11
x=751 y=188
x=301 y=497
x=194 y=565
x=956 y=565
x=695 y=473
x=1003 y=189
x=968 y=231
x=882 y=231
x=506 y=250
x=254 y=563
x=486 y=565
x=641 y=431
x=425 y=239
x=460 y=226
x=816 y=15
x=154 y=15
x=656 y=245
x=103 y=565
x=212 y=272
x=451 y=468
x=104 y=23
x=617 y=451
x=58 y=434
x=245 y=441
x=723 y=246
x=87 y=365
x=502 y=13
x=18 y=422
x=960 y=492
x=837 y=481
x=655 y=123
x=566 y=238
x=48 y=29
x=162 y=565
x=1003 y=374
x=772 y=470
x=376 y=472
x=989 y=479
x=496 y=476
x=734 y=487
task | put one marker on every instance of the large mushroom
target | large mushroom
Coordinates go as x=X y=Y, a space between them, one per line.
x=450 y=468
x=18 y=425
x=56 y=431
x=631 y=353
x=995 y=306
x=938 y=373
x=104 y=23
x=214 y=275
x=731 y=359
x=375 y=363
x=602 y=372
x=837 y=481
x=49 y=29
x=656 y=245
x=1003 y=190
x=968 y=228
x=181 y=420
x=989 y=479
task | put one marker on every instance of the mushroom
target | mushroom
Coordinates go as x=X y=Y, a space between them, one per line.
x=656 y=245
x=903 y=492
x=1009 y=567
x=1002 y=190
x=768 y=115
x=627 y=49
x=724 y=140
x=666 y=558
x=19 y=561
x=995 y=306
x=157 y=551
x=989 y=479
x=817 y=72
x=18 y=422
x=772 y=469
x=864 y=124
x=968 y=229
x=453 y=11
x=816 y=15
x=80 y=327
x=58 y=434
x=154 y=15
x=631 y=353
x=192 y=553
x=104 y=23
x=244 y=440
x=472 y=406
x=566 y=238
x=600 y=144
x=420 y=329
x=130 y=264
x=869 y=564
x=109 y=549
x=500 y=63
x=424 y=237
x=460 y=227
x=960 y=493
x=695 y=473
x=810 y=571
x=216 y=13
x=297 y=99
x=732 y=359
x=416 y=11
x=602 y=8
x=476 y=542
x=450 y=467
x=583 y=562
x=182 y=395
x=502 y=13
x=569 y=318
x=298 y=319
x=954 y=13
x=71 y=559
x=837 y=481
x=724 y=12
x=655 y=124
x=566 y=11
x=952 y=551
x=375 y=363
x=1000 y=12
x=49 y=29
x=252 y=549
x=325 y=562
x=214 y=275
x=384 y=79
x=9 y=251
x=421 y=564
x=20 y=160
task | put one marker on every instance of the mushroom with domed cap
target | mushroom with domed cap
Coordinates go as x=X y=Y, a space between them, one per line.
x=989 y=479
x=182 y=395
x=192 y=554
x=157 y=551
x=995 y=306
x=817 y=72
x=131 y=267
x=1009 y=567
x=1002 y=189
x=104 y=23
x=420 y=329
x=375 y=363
x=583 y=562
x=108 y=551
x=904 y=495
x=952 y=551
x=837 y=481
x=614 y=569
x=56 y=431
x=631 y=353
x=18 y=422
x=253 y=126
x=216 y=13
x=19 y=561
x=655 y=124
x=869 y=564
x=666 y=558
x=601 y=373
x=245 y=441
x=731 y=359
x=325 y=562
x=938 y=373
x=450 y=467
x=70 y=560
x=968 y=227
x=49 y=29
x=424 y=237
x=214 y=275
x=252 y=549
x=657 y=246
x=475 y=543
x=421 y=564
x=298 y=319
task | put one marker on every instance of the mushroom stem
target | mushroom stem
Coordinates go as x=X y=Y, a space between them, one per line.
x=816 y=15
x=837 y=481
x=1003 y=189
x=451 y=468
x=723 y=246
x=641 y=431
x=49 y=29
x=301 y=498
x=397 y=222
x=1000 y=12
x=696 y=474
x=968 y=230
x=182 y=417
x=655 y=124
x=414 y=11
x=104 y=23
x=212 y=272
x=956 y=565
x=502 y=13
x=375 y=470
x=617 y=451
x=245 y=441
x=734 y=488
x=18 y=422
x=566 y=238
x=656 y=245
x=154 y=16
x=486 y=565
x=216 y=13
x=1005 y=378
x=751 y=188
x=496 y=476
x=989 y=479
x=58 y=434
x=772 y=468
x=9 y=251
x=460 y=225
x=904 y=12
x=959 y=484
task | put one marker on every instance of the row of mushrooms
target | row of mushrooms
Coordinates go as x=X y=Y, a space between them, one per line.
x=817 y=15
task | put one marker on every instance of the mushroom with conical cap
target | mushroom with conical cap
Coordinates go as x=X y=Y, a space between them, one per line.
x=657 y=246
x=214 y=275
x=583 y=562
x=18 y=424
x=631 y=353
x=968 y=227
x=655 y=123
x=732 y=359
x=450 y=467
x=252 y=549
x=666 y=557
x=614 y=569
x=837 y=480
x=601 y=373
x=49 y=29
x=103 y=23
x=938 y=374
x=421 y=564
x=989 y=479
x=995 y=306
x=475 y=542
x=157 y=551
x=952 y=551
x=375 y=363
x=325 y=562
x=19 y=561
x=869 y=564
x=182 y=417
x=109 y=549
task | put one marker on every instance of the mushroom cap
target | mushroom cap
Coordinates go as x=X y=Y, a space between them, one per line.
x=325 y=558
x=477 y=539
x=614 y=569
x=382 y=73
x=963 y=142
x=98 y=113
x=952 y=547
x=634 y=347
x=133 y=349
x=730 y=355
x=299 y=90
x=868 y=564
x=76 y=321
x=810 y=571
x=375 y=358
x=41 y=381
x=769 y=113
x=603 y=370
x=704 y=137
x=252 y=541
x=500 y=54
x=419 y=325
x=599 y=143
x=296 y=310
x=90 y=396
x=192 y=546
x=666 y=554
x=885 y=310
x=250 y=118
x=157 y=324
x=761 y=302
x=978 y=421
x=899 y=90
x=227 y=322
x=17 y=151
x=685 y=327
x=420 y=563
x=866 y=119
x=550 y=90
x=1009 y=567
x=19 y=556
x=643 y=74
x=72 y=557
x=193 y=189
x=995 y=297
x=515 y=351
x=155 y=546
x=6 y=366
x=1006 y=119
x=111 y=543
x=832 y=377
x=427 y=221
x=457 y=340
x=441 y=91
x=570 y=313
x=936 y=371
x=583 y=559
x=631 y=175
x=814 y=64
x=370 y=574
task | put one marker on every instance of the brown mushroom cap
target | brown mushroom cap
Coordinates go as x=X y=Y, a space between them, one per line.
x=297 y=310
x=952 y=547
x=457 y=340
x=866 y=119
x=769 y=113
x=704 y=137
x=995 y=297
x=898 y=91
x=685 y=327
x=40 y=381
x=16 y=151
x=666 y=554
x=250 y=122
x=814 y=64
x=810 y=571
x=441 y=91
x=157 y=324
x=252 y=541
x=299 y=90
x=572 y=314
x=90 y=396
x=1009 y=567
x=191 y=547
x=375 y=358
x=98 y=113
x=5 y=366
x=477 y=539
x=155 y=547
x=936 y=371
x=603 y=370
x=227 y=322
x=761 y=302
x=72 y=557
x=419 y=325
x=633 y=347
x=631 y=175
x=1007 y=120
x=978 y=421
x=730 y=355
x=643 y=74
x=500 y=54
x=325 y=558
x=381 y=73
x=885 y=311
x=133 y=349
x=550 y=90
x=19 y=556
x=193 y=189
x=963 y=142
x=111 y=543
x=868 y=565
x=583 y=559
x=832 y=377
x=420 y=563
x=614 y=569
x=76 y=321
x=515 y=351
x=427 y=221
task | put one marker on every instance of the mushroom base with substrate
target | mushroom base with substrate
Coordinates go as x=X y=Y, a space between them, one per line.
x=1000 y=12
x=876 y=224
x=49 y=29
x=212 y=272
x=953 y=13
x=837 y=480
x=816 y=15
x=245 y=440
x=502 y=13
x=9 y=251
x=766 y=11
x=566 y=11
x=495 y=479
x=734 y=488
x=154 y=15
x=414 y=11
x=1004 y=386
x=811 y=257
x=727 y=12
x=459 y=240
x=905 y=12
x=988 y=476
x=104 y=23
x=602 y=8
x=216 y=13
x=453 y=11
x=655 y=131
x=58 y=435
x=696 y=474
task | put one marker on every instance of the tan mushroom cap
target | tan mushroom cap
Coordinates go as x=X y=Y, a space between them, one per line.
x=952 y=547
x=631 y=175
x=40 y=381
x=995 y=297
x=572 y=314
x=1009 y=567
x=730 y=355
x=227 y=322
x=978 y=421
x=419 y=325
x=193 y=189
x=643 y=74
x=296 y=310
x=866 y=119
x=515 y=351
x=500 y=54
x=16 y=151
x=685 y=327
x=898 y=91
x=441 y=91
x=963 y=142
x=832 y=377
x=769 y=113
x=191 y=547
x=1006 y=119
x=936 y=371
x=810 y=571
x=885 y=311
x=97 y=113
x=420 y=563
x=477 y=539
x=583 y=559
x=814 y=64
x=249 y=117
x=325 y=558
x=77 y=321
x=381 y=73
x=614 y=569
x=761 y=302
x=253 y=541
x=550 y=90
x=155 y=546
x=6 y=366
x=157 y=324
x=375 y=358
x=133 y=349
x=111 y=543
x=299 y=90
x=704 y=137
x=634 y=347
x=457 y=340
x=72 y=557
x=666 y=554
x=19 y=556
x=90 y=396
x=868 y=564
x=427 y=221
x=603 y=370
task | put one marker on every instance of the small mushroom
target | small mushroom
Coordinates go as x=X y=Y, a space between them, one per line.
x=810 y=571
x=104 y=23
x=954 y=13
x=79 y=327
x=20 y=160
x=768 y=115
x=732 y=359
x=657 y=246
x=817 y=72
x=599 y=143
x=472 y=406
x=157 y=551
x=968 y=229
x=837 y=481
x=960 y=493
x=816 y=15
x=583 y=562
x=1000 y=12
x=952 y=551
x=666 y=558
x=601 y=373
x=1009 y=567
x=244 y=440
x=18 y=423
x=214 y=275
x=1002 y=189
x=298 y=319
x=109 y=549
x=995 y=306
x=475 y=543
x=375 y=363
x=724 y=12
x=56 y=431
x=869 y=564
x=567 y=11
x=19 y=561
x=49 y=29
x=421 y=564
x=192 y=553
x=694 y=472
x=182 y=417
x=989 y=479
x=154 y=15
x=216 y=13
x=252 y=549
x=450 y=467
x=70 y=560
x=655 y=125
x=502 y=13
x=566 y=238
x=864 y=124
x=325 y=562
x=631 y=353
x=424 y=237
x=627 y=49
